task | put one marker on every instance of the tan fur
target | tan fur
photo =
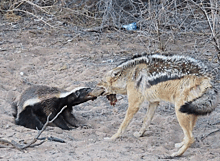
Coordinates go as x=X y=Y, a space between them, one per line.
x=177 y=91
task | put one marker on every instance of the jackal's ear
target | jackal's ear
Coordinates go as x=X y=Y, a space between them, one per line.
x=116 y=72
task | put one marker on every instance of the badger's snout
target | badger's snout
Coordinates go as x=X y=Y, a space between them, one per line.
x=83 y=92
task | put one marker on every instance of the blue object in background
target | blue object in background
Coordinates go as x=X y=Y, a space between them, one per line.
x=131 y=26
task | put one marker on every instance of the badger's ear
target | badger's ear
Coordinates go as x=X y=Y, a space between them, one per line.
x=71 y=98
x=76 y=93
x=116 y=72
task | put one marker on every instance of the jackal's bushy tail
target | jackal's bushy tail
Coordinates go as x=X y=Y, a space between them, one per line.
x=202 y=105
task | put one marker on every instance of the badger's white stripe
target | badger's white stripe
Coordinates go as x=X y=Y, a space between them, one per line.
x=31 y=102
x=65 y=94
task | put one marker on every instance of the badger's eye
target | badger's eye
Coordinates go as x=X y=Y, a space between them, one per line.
x=77 y=93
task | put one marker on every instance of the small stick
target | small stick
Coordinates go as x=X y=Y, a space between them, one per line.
x=211 y=27
x=18 y=10
x=51 y=138
x=31 y=3
x=44 y=127
x=211 y=133
x=22 y=147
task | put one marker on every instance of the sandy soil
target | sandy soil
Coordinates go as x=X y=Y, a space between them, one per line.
x=66 y=60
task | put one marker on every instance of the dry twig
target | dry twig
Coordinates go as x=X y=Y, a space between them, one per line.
x=22 y=147
x=211 y=25
x=40 y=19
x=159 y=22
x=211 y=133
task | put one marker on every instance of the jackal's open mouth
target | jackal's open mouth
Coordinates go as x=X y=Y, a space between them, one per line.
x=101 y=91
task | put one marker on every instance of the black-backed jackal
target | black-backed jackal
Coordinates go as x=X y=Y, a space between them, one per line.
x=181 y=80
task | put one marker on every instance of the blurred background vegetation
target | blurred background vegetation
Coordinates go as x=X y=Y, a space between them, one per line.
x=161 y=21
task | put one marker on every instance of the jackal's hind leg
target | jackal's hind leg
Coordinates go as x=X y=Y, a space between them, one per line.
x=187 y=122
x=150 y=114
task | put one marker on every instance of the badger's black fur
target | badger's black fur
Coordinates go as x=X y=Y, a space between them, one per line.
x=38 y=101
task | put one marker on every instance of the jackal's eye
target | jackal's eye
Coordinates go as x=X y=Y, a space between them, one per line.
x=115 y=74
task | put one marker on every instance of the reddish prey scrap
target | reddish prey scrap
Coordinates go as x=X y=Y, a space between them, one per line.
x=112 y=98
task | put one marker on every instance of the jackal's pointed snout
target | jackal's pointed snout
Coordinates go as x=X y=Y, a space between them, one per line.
x=96 y=91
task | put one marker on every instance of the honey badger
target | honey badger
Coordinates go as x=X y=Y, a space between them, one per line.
x=181 y=80
x=38 y=101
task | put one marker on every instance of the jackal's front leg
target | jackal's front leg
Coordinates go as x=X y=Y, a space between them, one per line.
x=150 y=114
x=135 y=99
x=132 y=110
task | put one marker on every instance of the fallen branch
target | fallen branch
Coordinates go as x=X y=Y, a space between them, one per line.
x=31 y=3
x=211 y=133
x=216 y=123
x=29 y=13
x=22 y=147
x=51 y=138
x=11 y=142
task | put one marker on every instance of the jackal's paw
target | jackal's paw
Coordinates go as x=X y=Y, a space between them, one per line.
x=109 y=139
x=179 y=145
x=176 y=154
x=165 y=157
x=137 y=134
x=113 y=138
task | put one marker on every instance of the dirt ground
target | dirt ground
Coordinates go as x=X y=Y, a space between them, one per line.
x=68 y=60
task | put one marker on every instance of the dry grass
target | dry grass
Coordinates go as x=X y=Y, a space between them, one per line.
x=161 y=21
